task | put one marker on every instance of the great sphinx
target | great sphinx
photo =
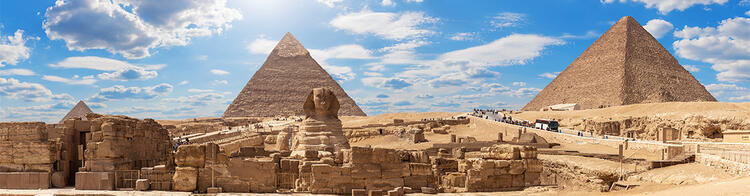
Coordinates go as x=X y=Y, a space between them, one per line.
x=321 y=128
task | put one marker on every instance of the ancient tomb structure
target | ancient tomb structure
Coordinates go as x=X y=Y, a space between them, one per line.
x=281 y=85
x=87 y=153
x=120 y=143
x=321 y=129
x=78 y=111
x=626 y=65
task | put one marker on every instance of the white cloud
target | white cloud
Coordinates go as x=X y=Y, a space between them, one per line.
x=349 y=51
x=666 y=6
x=418 y=1
x=330 y=3
x=507 y=19
x=261 y=46
x=372 y=74
x=463 y=36
x=193 y=90
x=549 y=75
x=394 y=26
x=85 y=81
x=747 y=13
x=17 y=72
x=658 y=27
x=128 y=74
x=132 y=27
x=184 y=82
x=726 y=46
x=99 y=63
x=730 y=92
x=31 y=92
x=518 y=49
x=123 y=71
x=691 y=68
x=219 y=72
x=13 y=49
x=400 y=53
x=201 y=57
x=341 y=73
x=387 y=3
x=220 y=82
x=519 y=83
x=118 y=92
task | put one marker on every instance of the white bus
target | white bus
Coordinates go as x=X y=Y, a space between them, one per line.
x=544 y=124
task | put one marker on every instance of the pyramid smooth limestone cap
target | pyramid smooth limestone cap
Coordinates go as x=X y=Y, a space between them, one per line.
x=289 y=47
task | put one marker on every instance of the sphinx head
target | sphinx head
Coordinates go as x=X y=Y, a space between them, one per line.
x=321 y=104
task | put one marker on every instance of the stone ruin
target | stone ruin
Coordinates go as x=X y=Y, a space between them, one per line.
x=408 y=130
x=84 y=153
x=108 y=152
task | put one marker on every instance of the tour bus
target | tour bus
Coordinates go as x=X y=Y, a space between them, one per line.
x=544 y=124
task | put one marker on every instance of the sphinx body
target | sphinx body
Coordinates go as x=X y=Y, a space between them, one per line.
x=321 y=130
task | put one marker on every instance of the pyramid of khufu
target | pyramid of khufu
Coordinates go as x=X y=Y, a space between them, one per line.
x=626 y=65
x=78 y=111
x=281 y=85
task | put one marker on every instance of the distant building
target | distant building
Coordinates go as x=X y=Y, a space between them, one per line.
x=563 y=107
x=737 y=136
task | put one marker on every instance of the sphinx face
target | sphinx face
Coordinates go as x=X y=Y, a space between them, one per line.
x=321 y=97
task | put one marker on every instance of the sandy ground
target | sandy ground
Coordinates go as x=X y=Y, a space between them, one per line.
x=351 y=121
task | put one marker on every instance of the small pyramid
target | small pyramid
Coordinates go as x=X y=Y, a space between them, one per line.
x=626 y=65
x=78 y=111
x=281 y=85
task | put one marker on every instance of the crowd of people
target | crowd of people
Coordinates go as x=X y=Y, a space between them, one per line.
x=180 y=141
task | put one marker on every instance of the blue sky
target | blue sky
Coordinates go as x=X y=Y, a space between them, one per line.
x=190 y=58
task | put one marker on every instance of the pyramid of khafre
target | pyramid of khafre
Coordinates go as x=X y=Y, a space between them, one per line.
x=78 y=111
x=624 y=66
x=281 y=85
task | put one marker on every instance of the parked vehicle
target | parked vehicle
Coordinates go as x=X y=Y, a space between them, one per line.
x=544 y=124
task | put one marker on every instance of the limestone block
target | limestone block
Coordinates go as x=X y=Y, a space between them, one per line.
x=442 y=165
x=429 y=190
x=532 y=179
x=383 y=155
x=95 y=181
x=394 y=193
x=533 y=165
x=11 y=167
x=142 y=185
x=516 y=167
x=502 y=163
x=57 y=179
x=359 y=192
x=375 y=193
x=190 y=155
x=24 y=180
x=232 y=184
x=395 y=170
x=384 y=183
x=464 y=165
x=261 y=173
x=419 y=157
x=501 y=152
x=528 y=152
x=185 y=179
x=518 y=181
x=420 y=169
x=417 y=182
x=366 y=171
x=289 y=166
x=454 y=179
x=358 y=155
x=213 y=190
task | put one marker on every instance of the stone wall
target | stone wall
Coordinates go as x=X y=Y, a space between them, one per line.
x=496 y=168
x=24 y=148
x=123 y=143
